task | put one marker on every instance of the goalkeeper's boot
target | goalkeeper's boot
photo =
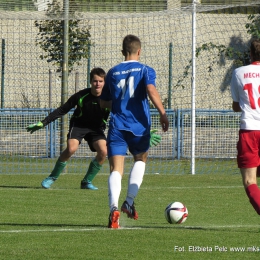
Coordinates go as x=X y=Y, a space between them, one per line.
x=47 y=182
x=129 y=210
x=113 y=219
x=88 y=185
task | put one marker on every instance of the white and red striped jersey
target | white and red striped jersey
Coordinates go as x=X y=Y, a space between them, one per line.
x=245 y=89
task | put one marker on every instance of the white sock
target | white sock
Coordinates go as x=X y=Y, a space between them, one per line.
x=114 y=189
x=135 y=181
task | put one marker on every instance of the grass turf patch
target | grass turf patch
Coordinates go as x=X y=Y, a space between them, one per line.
x=68 y=223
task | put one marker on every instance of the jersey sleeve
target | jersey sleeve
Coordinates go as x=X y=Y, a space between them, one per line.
x=234 y=87
x=61 y=111
x=150 y=76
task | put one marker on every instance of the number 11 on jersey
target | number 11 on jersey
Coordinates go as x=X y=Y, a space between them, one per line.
x=123 y=85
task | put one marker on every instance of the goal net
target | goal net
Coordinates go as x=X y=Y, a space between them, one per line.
x=31 y=81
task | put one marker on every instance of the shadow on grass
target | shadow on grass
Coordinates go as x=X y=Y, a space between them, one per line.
x=96 y=226
x=51 y=225
x=19 y=187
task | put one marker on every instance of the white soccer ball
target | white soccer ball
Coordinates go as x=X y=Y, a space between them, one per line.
x=176 y=213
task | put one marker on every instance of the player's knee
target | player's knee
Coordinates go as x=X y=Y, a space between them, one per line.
x=248 y=182
x=68 y=152
x=102 y=154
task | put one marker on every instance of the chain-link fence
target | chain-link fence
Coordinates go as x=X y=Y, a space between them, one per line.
x=33 y=83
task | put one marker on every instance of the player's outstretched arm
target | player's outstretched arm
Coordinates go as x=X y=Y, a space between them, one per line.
x=156 y=100
x=57 y=113
x=34 y=127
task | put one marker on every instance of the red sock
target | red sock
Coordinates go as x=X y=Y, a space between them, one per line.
x=253 y=194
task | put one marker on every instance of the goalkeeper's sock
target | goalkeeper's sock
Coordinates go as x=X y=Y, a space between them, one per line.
x=253 y=193
x=93 y=169
x=135 y=181
x=58 y=168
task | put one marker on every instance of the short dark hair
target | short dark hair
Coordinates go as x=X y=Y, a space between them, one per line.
x=255 y=49
x=97 y=71
x=131 y=44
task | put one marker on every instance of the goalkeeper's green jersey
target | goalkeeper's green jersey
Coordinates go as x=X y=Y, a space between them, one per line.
x=87 y=114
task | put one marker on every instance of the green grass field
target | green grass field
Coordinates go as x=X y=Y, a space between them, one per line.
x=68 y=223
x=26 y=165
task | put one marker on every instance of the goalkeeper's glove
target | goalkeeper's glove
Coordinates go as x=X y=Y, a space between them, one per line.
x=154 y=139
x=34 y=127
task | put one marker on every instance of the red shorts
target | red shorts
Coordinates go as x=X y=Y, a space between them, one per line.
x=248 y=149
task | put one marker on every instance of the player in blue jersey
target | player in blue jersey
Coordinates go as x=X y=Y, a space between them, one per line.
x=127 y=88
x=88 y=122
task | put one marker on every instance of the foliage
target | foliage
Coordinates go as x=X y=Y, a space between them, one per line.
x=50 y=38
x=253 y=28
x=220 y=53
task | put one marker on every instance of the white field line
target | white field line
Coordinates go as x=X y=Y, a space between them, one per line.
x=192 y=187
x=126 y=228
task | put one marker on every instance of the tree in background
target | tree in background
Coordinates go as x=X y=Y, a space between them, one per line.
x=239 y=54
x=253 y=28
x=50 y=37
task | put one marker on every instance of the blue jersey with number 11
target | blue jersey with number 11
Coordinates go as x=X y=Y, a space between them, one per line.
x=125 y=85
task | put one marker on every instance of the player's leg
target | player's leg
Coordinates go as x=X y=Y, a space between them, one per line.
x=72 y=146
x=134 y=182
x=138 y=146
x=74 y=138
x=117 y=148
x=248 y=160
x=97 y=143
x=95 y=165
x=114 y=181
x=251 y=188
x=114 y=188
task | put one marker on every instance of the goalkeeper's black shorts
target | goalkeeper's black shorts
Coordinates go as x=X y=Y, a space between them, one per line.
x=89 y=135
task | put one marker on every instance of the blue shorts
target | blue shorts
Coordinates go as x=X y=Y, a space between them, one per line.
x=118 y=141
